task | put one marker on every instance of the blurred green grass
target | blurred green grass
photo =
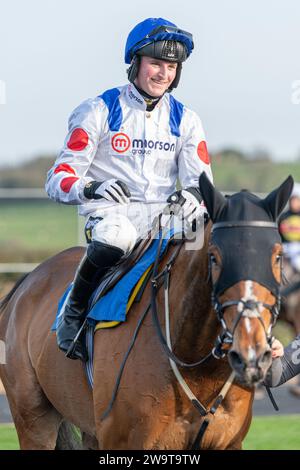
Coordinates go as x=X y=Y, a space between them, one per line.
x=283 y=332
x=33 y=231
x=274 y=433
x=266 y=433
x=8 y=437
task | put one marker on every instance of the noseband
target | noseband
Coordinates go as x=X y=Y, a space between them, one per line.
x=246 y=309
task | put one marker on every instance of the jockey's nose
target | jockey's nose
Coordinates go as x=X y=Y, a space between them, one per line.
x=163 y=72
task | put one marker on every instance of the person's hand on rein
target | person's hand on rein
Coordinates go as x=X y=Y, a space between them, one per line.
x=277 y=349
x=186 y=204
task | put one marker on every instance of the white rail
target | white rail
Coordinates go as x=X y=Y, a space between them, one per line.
x=7 y=268
x=23 y=193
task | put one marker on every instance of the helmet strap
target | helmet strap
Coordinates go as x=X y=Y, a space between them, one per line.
x=133 y=70
x=175 y=82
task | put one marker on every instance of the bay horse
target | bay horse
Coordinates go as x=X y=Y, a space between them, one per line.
x=238 y=267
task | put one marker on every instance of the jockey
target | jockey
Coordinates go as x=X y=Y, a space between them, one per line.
x=289 y=228
x=123 y=154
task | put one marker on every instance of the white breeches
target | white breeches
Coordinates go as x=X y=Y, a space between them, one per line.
x=122 y=226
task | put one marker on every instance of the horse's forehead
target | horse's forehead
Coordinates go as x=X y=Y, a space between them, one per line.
x=246 y=206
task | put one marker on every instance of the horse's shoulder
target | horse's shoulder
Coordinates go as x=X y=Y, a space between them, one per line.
x=63 y=262
x=73 y=254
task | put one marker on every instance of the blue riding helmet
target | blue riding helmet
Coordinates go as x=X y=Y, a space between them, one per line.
x=158 y=38
x=153 y=30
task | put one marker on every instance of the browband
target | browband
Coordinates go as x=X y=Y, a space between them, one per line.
x=246 y=223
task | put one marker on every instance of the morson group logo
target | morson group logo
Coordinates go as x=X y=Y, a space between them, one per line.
x=121 y=143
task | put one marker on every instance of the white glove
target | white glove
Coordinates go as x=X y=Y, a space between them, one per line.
x=185 y=204
x=112 y=190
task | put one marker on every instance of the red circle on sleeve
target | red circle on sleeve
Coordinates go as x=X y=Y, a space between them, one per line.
x=202 y=152
x=78 y=140
x=67 y=183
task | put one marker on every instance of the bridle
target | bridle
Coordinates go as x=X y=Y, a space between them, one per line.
x=246 y=309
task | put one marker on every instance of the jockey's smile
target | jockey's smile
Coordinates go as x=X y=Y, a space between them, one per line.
x=155 y=76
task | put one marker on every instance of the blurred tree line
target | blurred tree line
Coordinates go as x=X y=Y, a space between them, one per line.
x=233 y=170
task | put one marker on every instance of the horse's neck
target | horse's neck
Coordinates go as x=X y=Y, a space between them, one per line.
x=194 y=322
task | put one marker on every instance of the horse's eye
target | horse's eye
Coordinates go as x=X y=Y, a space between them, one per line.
x=278 y=258
x=213 y=259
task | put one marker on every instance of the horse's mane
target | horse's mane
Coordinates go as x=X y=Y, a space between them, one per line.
x=6 y=299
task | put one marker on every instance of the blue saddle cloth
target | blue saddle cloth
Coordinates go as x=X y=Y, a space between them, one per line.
x=112 y=306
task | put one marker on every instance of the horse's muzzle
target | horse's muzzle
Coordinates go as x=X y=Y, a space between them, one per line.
x=250 y=371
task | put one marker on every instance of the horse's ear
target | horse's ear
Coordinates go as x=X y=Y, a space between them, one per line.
x=277 y=199
x=212 y=198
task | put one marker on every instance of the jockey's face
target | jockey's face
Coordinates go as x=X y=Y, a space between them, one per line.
x=155 y=75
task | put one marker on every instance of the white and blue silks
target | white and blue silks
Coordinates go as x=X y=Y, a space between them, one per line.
x=114 y=136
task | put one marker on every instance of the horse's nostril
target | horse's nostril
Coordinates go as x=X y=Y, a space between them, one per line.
x=265 y=357
x=236 y=360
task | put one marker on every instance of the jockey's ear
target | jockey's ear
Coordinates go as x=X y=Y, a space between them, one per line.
x=214 y=201
x=276 y=201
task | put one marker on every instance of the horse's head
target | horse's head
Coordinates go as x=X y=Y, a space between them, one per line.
x=245 y=262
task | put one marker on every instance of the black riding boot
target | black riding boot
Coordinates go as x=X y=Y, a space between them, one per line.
x=98 y=259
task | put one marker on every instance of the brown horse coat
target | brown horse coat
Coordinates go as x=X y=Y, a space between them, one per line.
x=151 y=411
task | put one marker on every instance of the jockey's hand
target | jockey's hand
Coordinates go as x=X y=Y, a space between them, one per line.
x=112 y=190
x=277 y=349
x=186 y=204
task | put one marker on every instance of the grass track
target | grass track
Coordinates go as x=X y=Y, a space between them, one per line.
x=266 y=433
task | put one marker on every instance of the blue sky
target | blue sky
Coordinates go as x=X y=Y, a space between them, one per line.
x=239 y=78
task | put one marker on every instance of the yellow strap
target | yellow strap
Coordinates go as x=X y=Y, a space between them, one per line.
x=110 y=324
